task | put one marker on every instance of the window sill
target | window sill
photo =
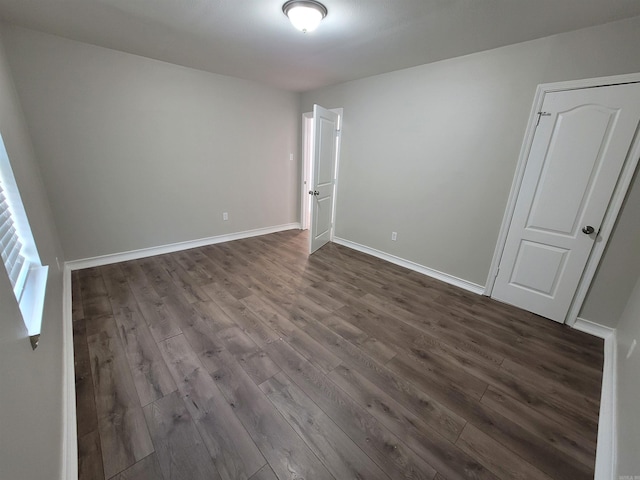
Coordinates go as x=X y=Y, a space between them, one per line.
x=32 y=301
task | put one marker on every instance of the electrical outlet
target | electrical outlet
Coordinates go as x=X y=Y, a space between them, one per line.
x=225 y=216
x=632 y=348
x=394 y=236
x=291 y=157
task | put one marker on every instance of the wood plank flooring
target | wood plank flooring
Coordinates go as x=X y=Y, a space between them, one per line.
x=252 y=360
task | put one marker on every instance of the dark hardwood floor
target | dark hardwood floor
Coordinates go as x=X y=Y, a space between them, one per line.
x=252 y=360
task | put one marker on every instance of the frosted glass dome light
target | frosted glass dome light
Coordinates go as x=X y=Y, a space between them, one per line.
x=305 y=15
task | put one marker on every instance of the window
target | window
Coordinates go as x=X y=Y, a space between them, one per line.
x=20 y=257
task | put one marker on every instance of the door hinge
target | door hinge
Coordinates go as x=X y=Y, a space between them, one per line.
x=540 y=115
x=497 y=272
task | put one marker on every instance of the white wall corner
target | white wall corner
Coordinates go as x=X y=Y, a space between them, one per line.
x=445 y=277
x=69 y=464
x=606 y=452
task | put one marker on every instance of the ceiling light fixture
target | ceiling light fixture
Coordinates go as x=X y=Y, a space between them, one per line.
x=305 y=15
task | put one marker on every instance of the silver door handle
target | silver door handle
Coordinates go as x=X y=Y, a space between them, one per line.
x=312 y=192
x=588 y=230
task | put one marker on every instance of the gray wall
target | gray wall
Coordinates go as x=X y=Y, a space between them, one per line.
x=30 y=381
x=620 y=264
x=628 y=382
x=430 y=152
x=139 y=153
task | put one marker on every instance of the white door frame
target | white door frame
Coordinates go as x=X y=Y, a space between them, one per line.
x=340 y=113
x=307 y=168
x=613 y=209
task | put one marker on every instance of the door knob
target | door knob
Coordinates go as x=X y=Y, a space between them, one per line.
x=588 y=230
x=312 y=192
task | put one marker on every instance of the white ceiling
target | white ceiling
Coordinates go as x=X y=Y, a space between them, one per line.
x=253 y=39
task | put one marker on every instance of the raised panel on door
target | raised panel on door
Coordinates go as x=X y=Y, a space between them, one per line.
x=578 y=151
x=323 y=216
x=327 y=151
x=538 y=267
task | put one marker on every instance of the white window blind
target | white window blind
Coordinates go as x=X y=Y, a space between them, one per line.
x=19 y=252
x=11 y=247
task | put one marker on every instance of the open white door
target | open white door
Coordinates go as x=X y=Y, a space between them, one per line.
x=325 y=151
x=580 y=145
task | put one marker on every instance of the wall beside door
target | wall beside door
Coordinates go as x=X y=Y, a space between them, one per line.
x=430 y=151
x=619 y=266
x=628 y=383
x=139 y=153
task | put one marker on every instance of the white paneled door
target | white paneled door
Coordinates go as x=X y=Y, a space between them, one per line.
x=580 y=145
x=325 y=151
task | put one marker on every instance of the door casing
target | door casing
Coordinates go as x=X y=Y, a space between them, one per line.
x=613 y=209
x=307 y=170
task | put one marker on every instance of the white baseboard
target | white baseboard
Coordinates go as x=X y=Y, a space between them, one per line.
x=69 y=467
x=445 y=277
x=607 y=421
x=592 y=328
x=173 y=247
